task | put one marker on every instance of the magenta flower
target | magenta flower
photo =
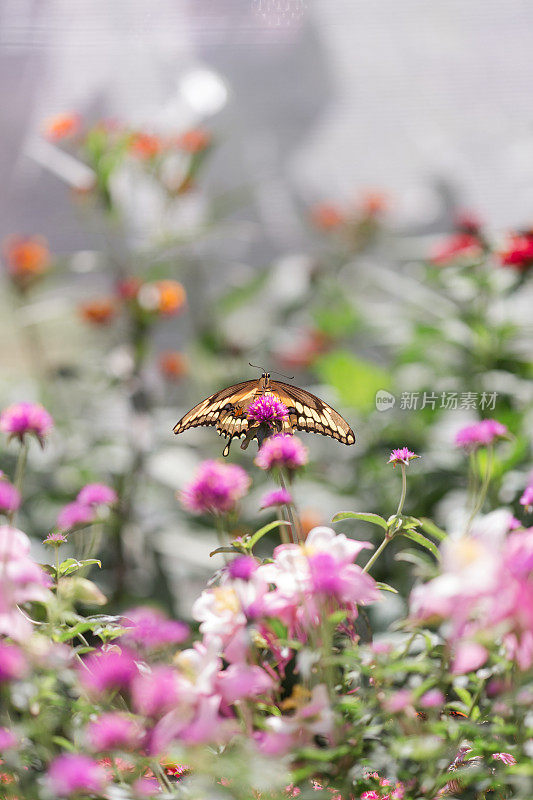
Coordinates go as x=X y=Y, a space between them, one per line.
x=242 y=567
x=480 y=434
x=22 y=418
x=74 y=514
x=9 y=497
x=399 y=701
x=240 y=680
x=267 y=408
x=108 y=669
x=146 y=787
x=283 y=451
x=156 y=692
x=114 y=731
x=526 y=500
x=401 y=455
x=506 y=758
x=215 y=489
x=55 y=539
x=433 y=698
x=70 y=773
x=468 y=657
x=7 y=740
x=150 y=628
x=97 y=494
x=12 y=663
x=277 y=497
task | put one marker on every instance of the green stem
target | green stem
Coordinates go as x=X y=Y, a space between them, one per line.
x=483 y=490
x=374 y=557
x=296 y=530
x=404 y=490
x=390 y=533
x=19 y=473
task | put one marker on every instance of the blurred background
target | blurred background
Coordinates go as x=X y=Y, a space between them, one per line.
x=342 y=191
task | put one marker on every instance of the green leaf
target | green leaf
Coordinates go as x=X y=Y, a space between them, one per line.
x=408 y=523
x=81 y=627
x=364 y=516
x=225 y=550
x=417 y=537
x=386 y=588
x=463 y=695
x=355 y=380
x=429 y=526
x=264 y=530
x=69 y=565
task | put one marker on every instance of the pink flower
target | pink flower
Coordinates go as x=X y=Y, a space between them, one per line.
x=468 y=657
x=240 y=680
x=55 y=539
x=22 y=418
x=216 y=488
x=242 y=567
x=526 y=500
x=97 y=494
x=401 y=455
x=433 y=698
x=518 y=251
x=7 y=740
x=21 y=581
x=156 y=692
x=480 y=434
x=70 y=773
x=108 y=669
x=457 y=247
x=12 y=663
x=146 y=787
x=151 y=629
x=113 y=731
x=74 y=514
x=282 y=450
x=345 y=582
x=9 y=497
x=277 y=497
x=371 y=795
x=399 y=701
x=507 y=758
x=267 y=408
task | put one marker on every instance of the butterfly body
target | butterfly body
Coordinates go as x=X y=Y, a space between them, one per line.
x=227 y=410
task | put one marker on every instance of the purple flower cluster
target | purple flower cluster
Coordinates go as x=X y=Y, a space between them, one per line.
x=401 y=455
x=82 y=511
x=21 y=418
x=267 y=408
x=150 y=629
x=215 y=488
x=9 y=496
x=480 y=434
x=277 y=497
x=283 y=451
x=71 y=773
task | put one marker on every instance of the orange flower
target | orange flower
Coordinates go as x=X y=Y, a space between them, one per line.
x=171 y=297
x=26 y=257
x=327 y=217
x=98 y=312
x=310 y=518
x=173 y=365
x=145 y=145
x=62 y=126
x=194 y=141
x=373 y=203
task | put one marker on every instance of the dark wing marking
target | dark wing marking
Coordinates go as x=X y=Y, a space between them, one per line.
x=217 y=409
x=307 y=412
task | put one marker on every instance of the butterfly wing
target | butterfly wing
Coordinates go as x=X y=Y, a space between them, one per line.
x=307 y=412
x=225 y=409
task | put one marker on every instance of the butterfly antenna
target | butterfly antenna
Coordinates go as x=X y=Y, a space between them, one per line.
x=289 y=377
x=255 y=366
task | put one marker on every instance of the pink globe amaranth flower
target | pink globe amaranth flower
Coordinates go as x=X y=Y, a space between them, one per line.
x=242 y=567
x=96 y=494
x=401 y=455
x=282 y=450
x=526 y=500
x=108 y=670
x=506 y=758
x=146 y=787
x=480 y=434
x=240 y=680
x=55 y=539
x=71 y=773
x=9 y=497
x=12 y=663
x=150 y=628
x=7 y=740
x=22 y=418
x=468 y=657
x=277 y=497
x=155 y=692
x=215 y=488
x=433 y=698
x=399 y=701
x=74 y=514
x=267 y=408
x=114 y=731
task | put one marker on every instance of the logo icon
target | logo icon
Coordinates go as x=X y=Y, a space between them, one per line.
x=384 y=400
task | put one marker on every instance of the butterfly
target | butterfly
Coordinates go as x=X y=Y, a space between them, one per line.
x=227 y=410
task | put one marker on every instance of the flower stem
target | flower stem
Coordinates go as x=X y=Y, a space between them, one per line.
x=389 y=533
x=374 y=557
x=19 y=473
x=404 y=490
x=483 y=490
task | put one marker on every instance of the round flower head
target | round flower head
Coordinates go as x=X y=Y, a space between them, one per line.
x=22 y=418
x=480 y=434
x=108 y=669
x=71 y=773
x=7 y=740
x=282 y=450
x=97 y=494
x=215 y=488
x=242 y=567
x=277 y=497
x=9 y=497
x=267 y=408
x=401 y=455
x=149 y=628
x=113 y=731
x=74 y=514
x=55 y=539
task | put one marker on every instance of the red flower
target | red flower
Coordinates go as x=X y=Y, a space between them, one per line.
x=456 y=247
x=327 y=217
x=27 y=258
x=98 y=312
x=145 y=145
x=62 y=126
x=173 y=365
x=518 y=251
x=195 y=140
